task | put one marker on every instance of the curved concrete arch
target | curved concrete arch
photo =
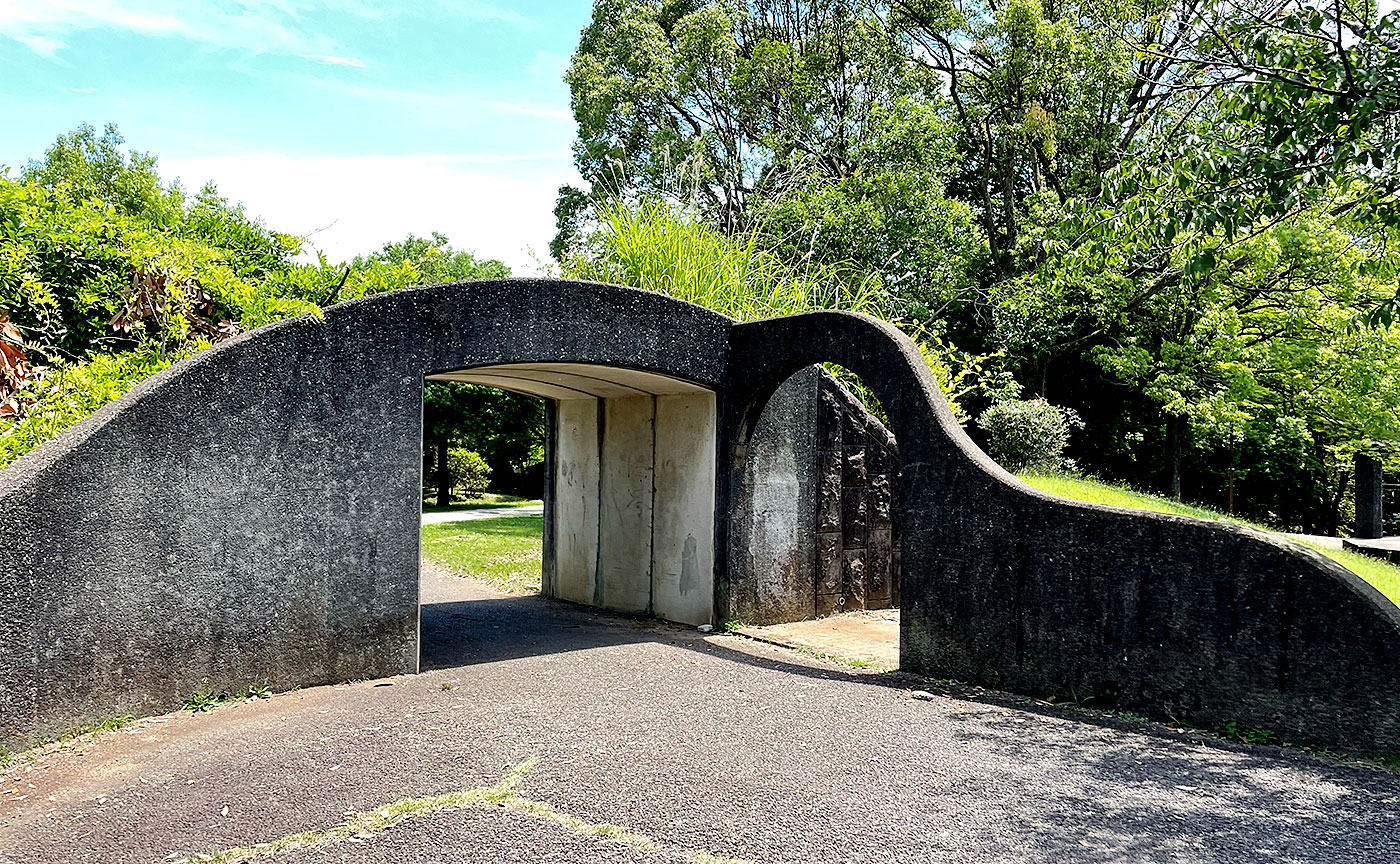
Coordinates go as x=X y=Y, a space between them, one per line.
x=1009 y=587
x=251 y=516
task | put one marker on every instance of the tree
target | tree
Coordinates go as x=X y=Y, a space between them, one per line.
x=1042 y=103
x=434 y=259
x=891 y=218
x=82 y=166
x=1288 y=104
x=800 y=121
x=507 y=429
x=725 y=103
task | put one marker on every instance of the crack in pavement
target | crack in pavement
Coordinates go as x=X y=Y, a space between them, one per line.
x=367 y=824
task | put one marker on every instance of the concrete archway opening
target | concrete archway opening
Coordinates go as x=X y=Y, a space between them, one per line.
x=816 y=532
x=629 y=491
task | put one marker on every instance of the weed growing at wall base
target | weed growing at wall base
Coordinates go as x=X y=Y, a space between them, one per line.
x=81 y=732
x=207 y=698
x=1236 y=732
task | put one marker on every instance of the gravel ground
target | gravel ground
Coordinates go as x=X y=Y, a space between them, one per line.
x=695 y=744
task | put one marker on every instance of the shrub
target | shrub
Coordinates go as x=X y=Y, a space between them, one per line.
x=1029 y=434
x=468 y=471
x=69 y=393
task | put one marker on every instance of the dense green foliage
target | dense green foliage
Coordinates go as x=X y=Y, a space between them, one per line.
x=434 y=259
x=656 y=248
x=108 y=275
x=506 y=429
x=1176 y=218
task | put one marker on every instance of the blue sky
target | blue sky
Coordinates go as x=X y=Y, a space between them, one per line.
x=357 y=121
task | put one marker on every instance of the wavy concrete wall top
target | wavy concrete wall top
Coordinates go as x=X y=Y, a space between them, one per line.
x=1009 y=587
x=251 y=516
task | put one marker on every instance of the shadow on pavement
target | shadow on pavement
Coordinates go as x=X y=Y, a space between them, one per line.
x=467 y=632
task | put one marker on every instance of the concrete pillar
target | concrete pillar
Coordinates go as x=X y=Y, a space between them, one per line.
x=775 y=519
x=576 y=500
x=632 y=504
x=683 y=556
x=1368 y=498
x=625 y=489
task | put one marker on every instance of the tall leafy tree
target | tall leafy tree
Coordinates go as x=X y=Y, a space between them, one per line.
x=801 y=120
x=726 y=103
x=507 y=429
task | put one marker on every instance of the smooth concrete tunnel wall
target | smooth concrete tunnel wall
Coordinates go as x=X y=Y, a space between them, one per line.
x=633 y=479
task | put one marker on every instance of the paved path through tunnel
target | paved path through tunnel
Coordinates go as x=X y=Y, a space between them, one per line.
x=467 y=515
x=686 y=745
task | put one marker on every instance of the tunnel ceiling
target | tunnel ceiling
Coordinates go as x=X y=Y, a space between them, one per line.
x=570 y=380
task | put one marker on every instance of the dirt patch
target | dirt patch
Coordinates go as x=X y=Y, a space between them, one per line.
x=856 y=638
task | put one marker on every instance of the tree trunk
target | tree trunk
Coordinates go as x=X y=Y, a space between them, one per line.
x=1174 y=444
x=1334 y=506
x=444 y=495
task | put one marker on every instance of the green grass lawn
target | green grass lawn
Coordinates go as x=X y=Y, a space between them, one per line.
x=1384 y=576
x=478 y=502
x=504 y=551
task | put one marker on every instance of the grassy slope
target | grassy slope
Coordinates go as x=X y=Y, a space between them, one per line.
x=1385 y=577
x=504 y=551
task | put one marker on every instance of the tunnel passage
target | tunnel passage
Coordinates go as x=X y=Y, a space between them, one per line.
x=251 y=516
x=630 y=485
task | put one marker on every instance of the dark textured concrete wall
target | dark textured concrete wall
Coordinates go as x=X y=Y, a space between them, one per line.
x=251 y=515
x=857 y=481
x=814 y=516
x=1011 y=588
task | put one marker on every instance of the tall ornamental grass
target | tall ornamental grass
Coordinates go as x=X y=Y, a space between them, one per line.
x=653 y=248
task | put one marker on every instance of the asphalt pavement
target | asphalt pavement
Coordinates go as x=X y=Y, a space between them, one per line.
x=571 y=735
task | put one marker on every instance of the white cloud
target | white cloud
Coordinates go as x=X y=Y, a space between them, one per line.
x=259 y=26
x=478 y=10
x=332 y=60
x=363 y=202
x=44 y=46
x=253 y=26
x=84 y=90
